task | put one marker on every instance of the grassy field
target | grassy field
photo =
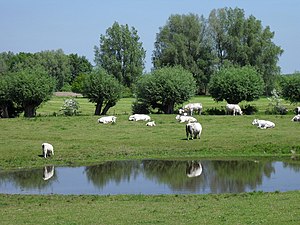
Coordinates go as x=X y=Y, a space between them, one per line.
x=80 y=140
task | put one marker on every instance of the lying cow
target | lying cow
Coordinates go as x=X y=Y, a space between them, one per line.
x=137 y=117
x=184 y=119
x=233 y=109
x=263 y=124
x=193 y=130
x=151 y=124
x=193 y=107
x=296 y=118
x=194 y=169
x=47 y=150
x=107 y=119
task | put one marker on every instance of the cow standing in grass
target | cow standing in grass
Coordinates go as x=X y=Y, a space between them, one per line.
x=193 y=130
x=233 y=109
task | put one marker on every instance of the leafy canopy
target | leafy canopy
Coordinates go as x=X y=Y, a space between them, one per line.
x=236 y=84
x=291 y=88
x=166 y=87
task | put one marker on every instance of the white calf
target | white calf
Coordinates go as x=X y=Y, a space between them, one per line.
x=107 y=119
x=183 y=119
x=296 y=118
x=193 y=130
x=193 y=107
x=263 y=124
x=137 y=117
x=47 y=149
x=233 y=109
x=151 y=124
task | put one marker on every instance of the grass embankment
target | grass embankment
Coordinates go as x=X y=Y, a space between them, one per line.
x=81 y=140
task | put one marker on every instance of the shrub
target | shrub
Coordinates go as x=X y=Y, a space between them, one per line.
x=249 y=109
x=140 y=107
x=215 y=111
x=275 y=104
x=70 y=107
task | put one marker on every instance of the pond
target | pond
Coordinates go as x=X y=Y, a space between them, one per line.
x=153 y=177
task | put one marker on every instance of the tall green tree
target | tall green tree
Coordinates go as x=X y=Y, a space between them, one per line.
x=102 y=89
x=121 y=53
x=184 y=41
x=31 y=87
x=236 y=84
x=244 y=41
x=78 y=65
x=166 y=87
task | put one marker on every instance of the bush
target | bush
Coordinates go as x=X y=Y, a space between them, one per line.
x=215 y=111
x=249 y=109
x=275 y=104
x=70 y=107
x=139 y=107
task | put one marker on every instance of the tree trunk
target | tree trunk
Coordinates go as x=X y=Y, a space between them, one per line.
x=98 y=108
x=4 y=111
x=169 y=108
x=29 y=111
x=107 y=107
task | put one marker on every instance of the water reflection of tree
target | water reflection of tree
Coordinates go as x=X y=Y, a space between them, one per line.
x=172 y=173
x=295 y=166
x=28 y=179
x=236 y=176
x=112 y=171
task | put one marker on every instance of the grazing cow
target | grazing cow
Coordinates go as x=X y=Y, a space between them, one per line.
x=296 y=118
x=48 y=172
x=233 y=109
x=297 y=110
x=183 y=119
x=151 y=124
x=47 y=149
x=193 y=107
x=107 y=119
x=193 y=130
x=194 y=169
x=263 y=124
x=137 y=117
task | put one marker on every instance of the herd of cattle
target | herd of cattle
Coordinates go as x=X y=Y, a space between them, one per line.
x=193 y=128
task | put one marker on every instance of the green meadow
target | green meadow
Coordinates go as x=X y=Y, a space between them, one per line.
x=80 y=140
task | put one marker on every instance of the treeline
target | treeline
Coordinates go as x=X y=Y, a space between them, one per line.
x=235 y=50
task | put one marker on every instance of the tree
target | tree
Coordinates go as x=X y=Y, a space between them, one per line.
x=242 y=41
x=236 y=84
x=184 y=41
x=31 y=87
x=102 y=89
x=165 y=87
x=78 y=65
x=291 y=88
x=5 y=100
x=121 y=54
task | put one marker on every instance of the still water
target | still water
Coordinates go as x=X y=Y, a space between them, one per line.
x=153 y=177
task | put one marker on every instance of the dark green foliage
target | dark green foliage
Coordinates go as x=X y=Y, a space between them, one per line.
x=215 y=111
x=102 y=89
x=121 y=54
x=235 y=84
x=275 y=104
x=166 y=87
x=78 y=66
x=244 y=41
x=78 y=83
x=29 y=88
x=140 y=108
x=184 y=41
x=249 y=109
x=291 y=88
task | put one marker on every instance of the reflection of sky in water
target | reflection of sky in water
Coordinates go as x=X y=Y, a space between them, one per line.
x=144 y=180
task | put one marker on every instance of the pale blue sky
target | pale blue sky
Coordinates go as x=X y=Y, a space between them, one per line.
x=75 y=26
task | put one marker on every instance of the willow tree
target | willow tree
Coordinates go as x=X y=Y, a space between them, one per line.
x=121 y=54
x=183 y=41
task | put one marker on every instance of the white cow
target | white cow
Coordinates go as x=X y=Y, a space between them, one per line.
x=296 y=118
x=233 y=109
x=194 y=169
x=193 y=107
x=193 y=130
x=183 y=119
x=137 y=117
x=182 y=112
x=151 y=124
x=48 y=172
x=107 y=119
x=47 y=149
x=297 y=110
x=263 y=124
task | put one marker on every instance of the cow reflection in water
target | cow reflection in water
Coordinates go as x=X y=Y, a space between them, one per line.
x=194 y=169
x=48 y=172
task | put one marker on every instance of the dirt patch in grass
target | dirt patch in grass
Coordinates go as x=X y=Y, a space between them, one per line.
x=67 y=94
